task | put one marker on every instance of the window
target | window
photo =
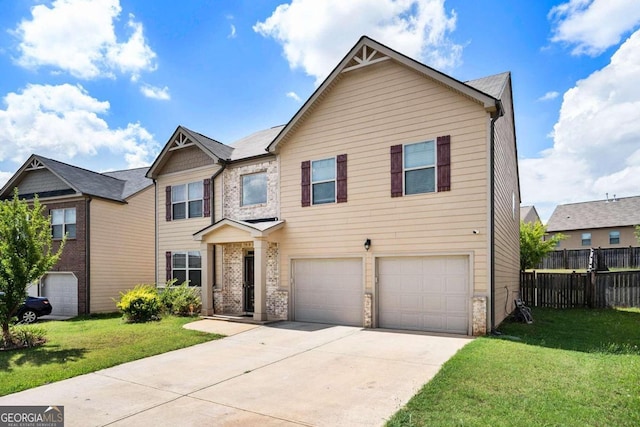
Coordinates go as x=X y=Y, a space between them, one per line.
x=187 y=200
x=419 y=168
x=254 y=189
x=63 y=221
x=614 y=237
x=586 y=239
x=187 y=266
x=323 y=181
x=413 y=167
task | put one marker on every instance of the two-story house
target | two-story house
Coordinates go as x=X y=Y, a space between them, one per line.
x=108 y=219
x=390 y=199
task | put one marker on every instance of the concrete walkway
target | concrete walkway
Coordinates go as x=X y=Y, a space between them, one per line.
x=283 y=374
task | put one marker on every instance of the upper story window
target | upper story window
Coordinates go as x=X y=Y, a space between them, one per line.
x=614 y=237
x=586 y=239
x=63 y=221
x=419 y=168
x=187 y=200
x=323 y=181
x=254 y=189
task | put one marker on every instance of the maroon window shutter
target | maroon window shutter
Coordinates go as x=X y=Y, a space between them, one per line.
x=444 y=163
x=207 y=198
x=168 y=203
x=167 y=256
x=306 y=183
x=396 y=171
x=341 y=166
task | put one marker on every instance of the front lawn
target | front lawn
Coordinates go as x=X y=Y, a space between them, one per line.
x=84 y=345
x=574 y=367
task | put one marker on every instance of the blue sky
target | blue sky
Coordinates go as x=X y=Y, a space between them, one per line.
x=102 y=84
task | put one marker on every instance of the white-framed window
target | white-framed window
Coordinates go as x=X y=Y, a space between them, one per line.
x=586 y=239
x=254 y=189
x=63 y=221
x=614 y=237
x=187 y=266
x=323 y=181
x=187 y=200
x=419 y=167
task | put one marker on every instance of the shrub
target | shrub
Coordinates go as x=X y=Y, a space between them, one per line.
x=140 y=304
x=181 y=300
x=23 y=336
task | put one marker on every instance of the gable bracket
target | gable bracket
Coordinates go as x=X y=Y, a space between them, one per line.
x=364 y=58
x=181 y=141
x=34 y=165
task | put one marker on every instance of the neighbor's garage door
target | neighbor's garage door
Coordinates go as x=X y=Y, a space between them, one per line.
x=62 y=291
x=328 y=291
x=424 y=293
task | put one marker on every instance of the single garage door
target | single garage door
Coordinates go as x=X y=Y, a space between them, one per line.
x=424 y=293
x=62 y=291
x=328 y=291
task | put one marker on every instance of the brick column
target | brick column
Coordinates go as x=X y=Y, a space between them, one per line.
x=206 y=253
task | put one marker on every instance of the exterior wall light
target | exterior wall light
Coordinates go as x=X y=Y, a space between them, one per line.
x=367 y=244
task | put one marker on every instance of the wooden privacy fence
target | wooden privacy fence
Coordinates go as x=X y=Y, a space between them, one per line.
x=574 y=259
x=568 y=290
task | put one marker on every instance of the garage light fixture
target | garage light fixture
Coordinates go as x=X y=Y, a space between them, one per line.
x=367 y=244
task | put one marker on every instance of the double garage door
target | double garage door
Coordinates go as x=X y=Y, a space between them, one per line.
x=415 y=293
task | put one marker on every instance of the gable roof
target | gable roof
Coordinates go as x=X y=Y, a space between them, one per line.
x=255 y=144
x=183 y=137
x=117 y=186
x=614 y=212
x=529 y=214
x=368 y=51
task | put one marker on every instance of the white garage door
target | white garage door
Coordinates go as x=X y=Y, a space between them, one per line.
x=424 y=293
x=62 y=291
x=328 y=291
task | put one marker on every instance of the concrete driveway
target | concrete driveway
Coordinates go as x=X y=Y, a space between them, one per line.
x=284 y=374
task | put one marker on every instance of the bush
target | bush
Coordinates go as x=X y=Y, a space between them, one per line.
x=181 y=300
x=141 y=304
x=23 y=336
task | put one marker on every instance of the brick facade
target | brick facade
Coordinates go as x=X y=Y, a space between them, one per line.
x=74 y=254
x=232 y=189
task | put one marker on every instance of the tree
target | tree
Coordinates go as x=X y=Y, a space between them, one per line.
x=533 y=246
x=26 y=253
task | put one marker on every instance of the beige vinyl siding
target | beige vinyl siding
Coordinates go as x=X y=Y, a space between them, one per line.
x=363 y=115
x=506 y=215
x=177 y=235
x=599 y=238
x=121 y=247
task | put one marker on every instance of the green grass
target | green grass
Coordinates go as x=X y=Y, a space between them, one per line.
x=569 y=368
x=84 y=345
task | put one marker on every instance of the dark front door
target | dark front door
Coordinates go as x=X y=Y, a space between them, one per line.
x=248 y=283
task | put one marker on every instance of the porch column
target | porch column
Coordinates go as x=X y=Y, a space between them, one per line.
x=206 y=253
x=260 y=279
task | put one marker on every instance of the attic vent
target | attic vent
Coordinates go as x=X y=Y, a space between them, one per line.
x=181 y=141
x=364 y=57
x=35 y=164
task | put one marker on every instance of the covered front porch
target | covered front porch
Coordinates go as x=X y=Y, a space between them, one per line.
x=243 y=281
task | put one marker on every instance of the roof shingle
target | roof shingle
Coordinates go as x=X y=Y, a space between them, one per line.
x=614 y=212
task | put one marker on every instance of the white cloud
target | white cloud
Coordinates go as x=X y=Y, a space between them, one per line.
x=63 y=121
x=4 y=177
x=596 y=146
x=232 y=32
x=594 y=25
x=549 y=96
x=78 y=37
x=154 y=92
x=315 y=35
x=293 y=96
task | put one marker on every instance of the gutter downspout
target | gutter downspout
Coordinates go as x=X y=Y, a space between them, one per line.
x=492 y=285
x=87 y=252
x=213 y=220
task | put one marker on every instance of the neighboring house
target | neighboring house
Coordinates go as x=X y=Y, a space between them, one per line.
x=608 y=223
x=529 y=214
x=109 y=222
x=391 y=199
